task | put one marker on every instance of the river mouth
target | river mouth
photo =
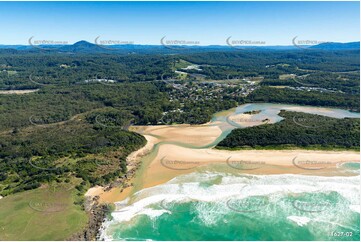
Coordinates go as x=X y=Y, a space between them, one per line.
x=184 y=152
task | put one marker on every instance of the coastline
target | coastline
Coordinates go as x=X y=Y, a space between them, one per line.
x=186 y=160
x=97 y=215
x=122 y=186
x=173 y=150
x=99 y=198
x=262 y=162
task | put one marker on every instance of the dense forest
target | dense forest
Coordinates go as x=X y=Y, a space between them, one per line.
x=258 y=60
x=298 y=130
x=344 y=82
x=30 y=71
x=66 y=128
x=84 y=103
x=52 y=104
x=314 y=98
x=57 y=153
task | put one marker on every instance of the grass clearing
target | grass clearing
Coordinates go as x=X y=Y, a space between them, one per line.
x=41 y=214
x=181 y=64
x=287 y=76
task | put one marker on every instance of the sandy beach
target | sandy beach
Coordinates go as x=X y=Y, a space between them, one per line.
x=197 y=135
x=173 y=150
x=247 y=120
x=118 y=193
x=172 y=160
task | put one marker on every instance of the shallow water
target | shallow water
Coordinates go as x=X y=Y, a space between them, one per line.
x=216 y=204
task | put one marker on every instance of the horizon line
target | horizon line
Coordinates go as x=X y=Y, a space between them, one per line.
x=193 y=45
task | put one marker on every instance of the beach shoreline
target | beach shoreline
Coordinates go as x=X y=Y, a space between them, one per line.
x=110 y=193
x=174 y=150
x=172 y=160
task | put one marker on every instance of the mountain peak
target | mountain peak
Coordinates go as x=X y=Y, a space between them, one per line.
x=81 y=46
x=83 y=43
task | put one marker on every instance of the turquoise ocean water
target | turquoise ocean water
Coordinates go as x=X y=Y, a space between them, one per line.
x=216 y=206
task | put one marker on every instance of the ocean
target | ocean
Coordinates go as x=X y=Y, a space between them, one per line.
x=208 y=205
x=216 y=202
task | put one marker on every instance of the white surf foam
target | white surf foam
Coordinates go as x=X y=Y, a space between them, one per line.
x=199 y=187
x=300 y=221
x=355 y=208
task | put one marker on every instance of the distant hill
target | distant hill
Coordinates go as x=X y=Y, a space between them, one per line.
x=12 y=46
x=337 y=46
x=81 y=46
x=87 y=47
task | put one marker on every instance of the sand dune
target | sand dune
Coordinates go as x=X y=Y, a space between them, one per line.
x=180 y=149
x=173 y=160
x=198 y=135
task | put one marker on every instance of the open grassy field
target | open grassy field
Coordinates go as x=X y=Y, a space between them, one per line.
x=287 y=76
x=46 y=213
x=182 y=64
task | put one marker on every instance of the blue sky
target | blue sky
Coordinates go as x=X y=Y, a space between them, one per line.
x=275 y=23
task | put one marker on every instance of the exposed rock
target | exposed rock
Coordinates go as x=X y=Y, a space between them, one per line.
x=97 y=214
